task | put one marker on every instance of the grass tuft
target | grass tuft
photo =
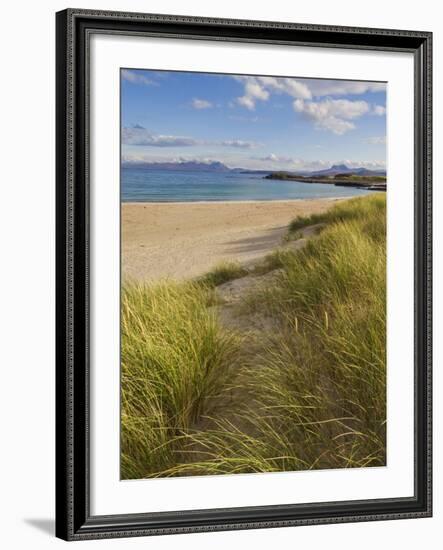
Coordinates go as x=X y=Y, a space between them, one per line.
x=222 y=273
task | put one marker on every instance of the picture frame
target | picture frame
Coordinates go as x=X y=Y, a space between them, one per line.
x=74 y=518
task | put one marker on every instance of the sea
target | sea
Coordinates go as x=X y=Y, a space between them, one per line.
x=141 y=185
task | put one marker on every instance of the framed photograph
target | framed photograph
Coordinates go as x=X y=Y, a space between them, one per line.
x=243 y=274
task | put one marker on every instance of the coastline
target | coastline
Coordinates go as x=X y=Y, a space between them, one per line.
x=242 y=201
x=370 y=183
x=182 y=240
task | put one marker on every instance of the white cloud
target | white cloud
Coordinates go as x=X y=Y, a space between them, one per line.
x=149 y=158
x=335 y=115
x=291 y=86
x=376 y=140
x=136 y=77
x=259 y=89
x=321 y=88
x=370 y=164
x=342 y=108
x=253 y=92
x=269 y=162
x=238 y=143
x=272 y=157
x=201 y=103
x=379 y=110
x=332 y=114
x=280 y=162
x=294 y=163
x=140 y=136
x=247 y=102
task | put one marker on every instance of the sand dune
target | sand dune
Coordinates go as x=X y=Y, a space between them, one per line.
x=184 y=240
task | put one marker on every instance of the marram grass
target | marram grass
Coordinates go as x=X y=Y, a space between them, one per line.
x=222 y=273
x=315 y=387
x=174 y=359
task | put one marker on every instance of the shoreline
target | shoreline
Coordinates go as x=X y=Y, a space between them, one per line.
x=370 y=183
x=242 y=201
x=184 y=240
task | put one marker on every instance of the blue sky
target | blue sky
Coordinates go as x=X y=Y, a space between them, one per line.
x=257 y=122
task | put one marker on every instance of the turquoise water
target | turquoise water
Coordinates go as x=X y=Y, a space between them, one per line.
x=141 y=185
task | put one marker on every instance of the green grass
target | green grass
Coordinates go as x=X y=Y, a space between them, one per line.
x=368 y=208
x=274 y=260
x=363 y=179
x=326 y=375
x=222 y=273
x=174 y=359
x=312 y=396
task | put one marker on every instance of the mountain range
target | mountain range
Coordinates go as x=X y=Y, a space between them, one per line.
x=343 y=169
x=216 y=166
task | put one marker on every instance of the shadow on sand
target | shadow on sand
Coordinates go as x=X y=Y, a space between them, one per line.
x=261 y=243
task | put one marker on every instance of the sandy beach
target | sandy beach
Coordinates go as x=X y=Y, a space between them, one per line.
x=185 y=240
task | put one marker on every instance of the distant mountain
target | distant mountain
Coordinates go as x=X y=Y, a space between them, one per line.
x=335 y=169
x=216 y=166
x=343 y=169
x=366 y=172
x=184 y=166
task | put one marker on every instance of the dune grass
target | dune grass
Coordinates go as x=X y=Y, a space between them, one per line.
x=316 y=387
x=222 y=273
x=325 y=376
x=174 y=359
x=367 y=208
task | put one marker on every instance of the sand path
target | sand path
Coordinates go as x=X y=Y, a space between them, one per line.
x=185 y=240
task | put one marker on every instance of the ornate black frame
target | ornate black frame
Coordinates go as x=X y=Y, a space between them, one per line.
x=74 y=28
